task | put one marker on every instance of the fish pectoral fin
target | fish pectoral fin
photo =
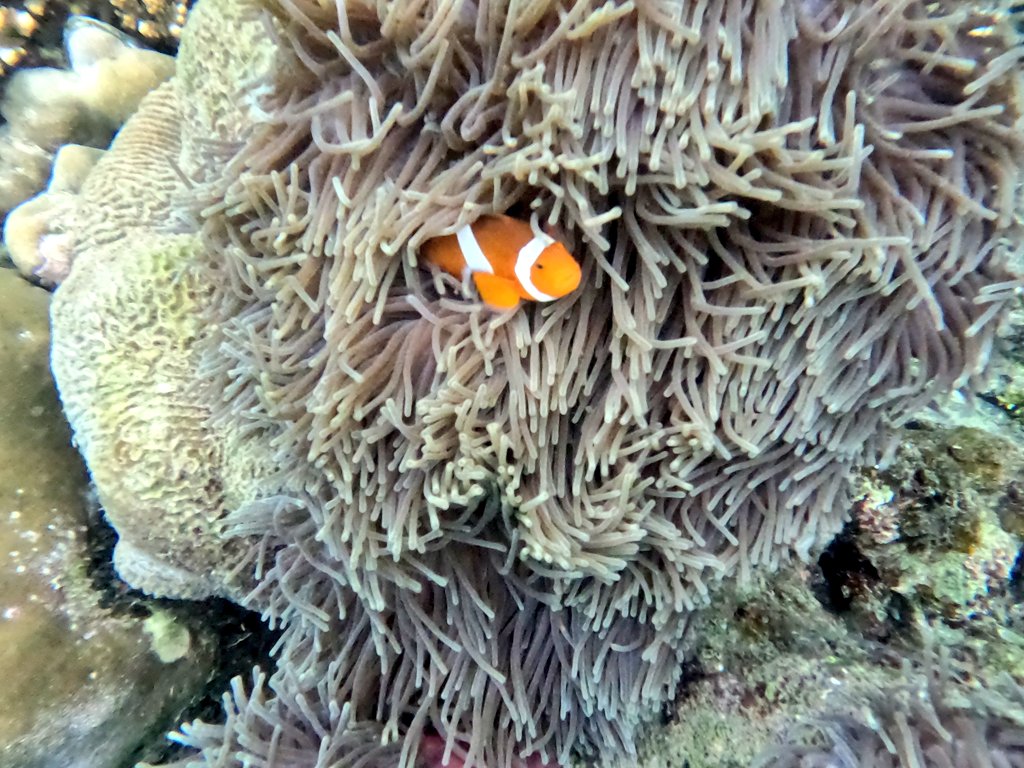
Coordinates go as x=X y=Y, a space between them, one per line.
x=497 y=292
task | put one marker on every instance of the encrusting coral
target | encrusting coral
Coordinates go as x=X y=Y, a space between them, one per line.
x=793 y=219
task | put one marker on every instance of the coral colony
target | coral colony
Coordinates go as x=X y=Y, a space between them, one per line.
x=489 y=530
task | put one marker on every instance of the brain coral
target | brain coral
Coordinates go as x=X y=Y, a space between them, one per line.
x=793 y=218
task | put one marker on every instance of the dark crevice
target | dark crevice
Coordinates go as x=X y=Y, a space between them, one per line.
x=243 y=640
x=846 y=573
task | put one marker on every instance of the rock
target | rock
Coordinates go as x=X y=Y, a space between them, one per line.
x=83 y=687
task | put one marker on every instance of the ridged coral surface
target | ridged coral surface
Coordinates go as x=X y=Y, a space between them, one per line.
x=792 y=219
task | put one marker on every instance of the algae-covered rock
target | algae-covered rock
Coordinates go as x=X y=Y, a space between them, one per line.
x=768 y=655
x=926 y=562
x=81 y=686
x=934 y=531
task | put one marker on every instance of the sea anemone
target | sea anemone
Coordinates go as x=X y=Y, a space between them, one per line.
x=934 y=718
x=793 y=219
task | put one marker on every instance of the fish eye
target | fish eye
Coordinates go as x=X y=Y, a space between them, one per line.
x=540 y=266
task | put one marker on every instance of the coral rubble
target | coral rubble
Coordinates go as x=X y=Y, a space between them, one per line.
x=496 y=528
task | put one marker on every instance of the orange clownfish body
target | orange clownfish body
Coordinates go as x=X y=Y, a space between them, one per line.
x=507 y=261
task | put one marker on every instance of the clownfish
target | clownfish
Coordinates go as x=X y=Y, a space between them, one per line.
x=507 y=261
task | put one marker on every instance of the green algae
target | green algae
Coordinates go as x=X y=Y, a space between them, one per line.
x=170 y=640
